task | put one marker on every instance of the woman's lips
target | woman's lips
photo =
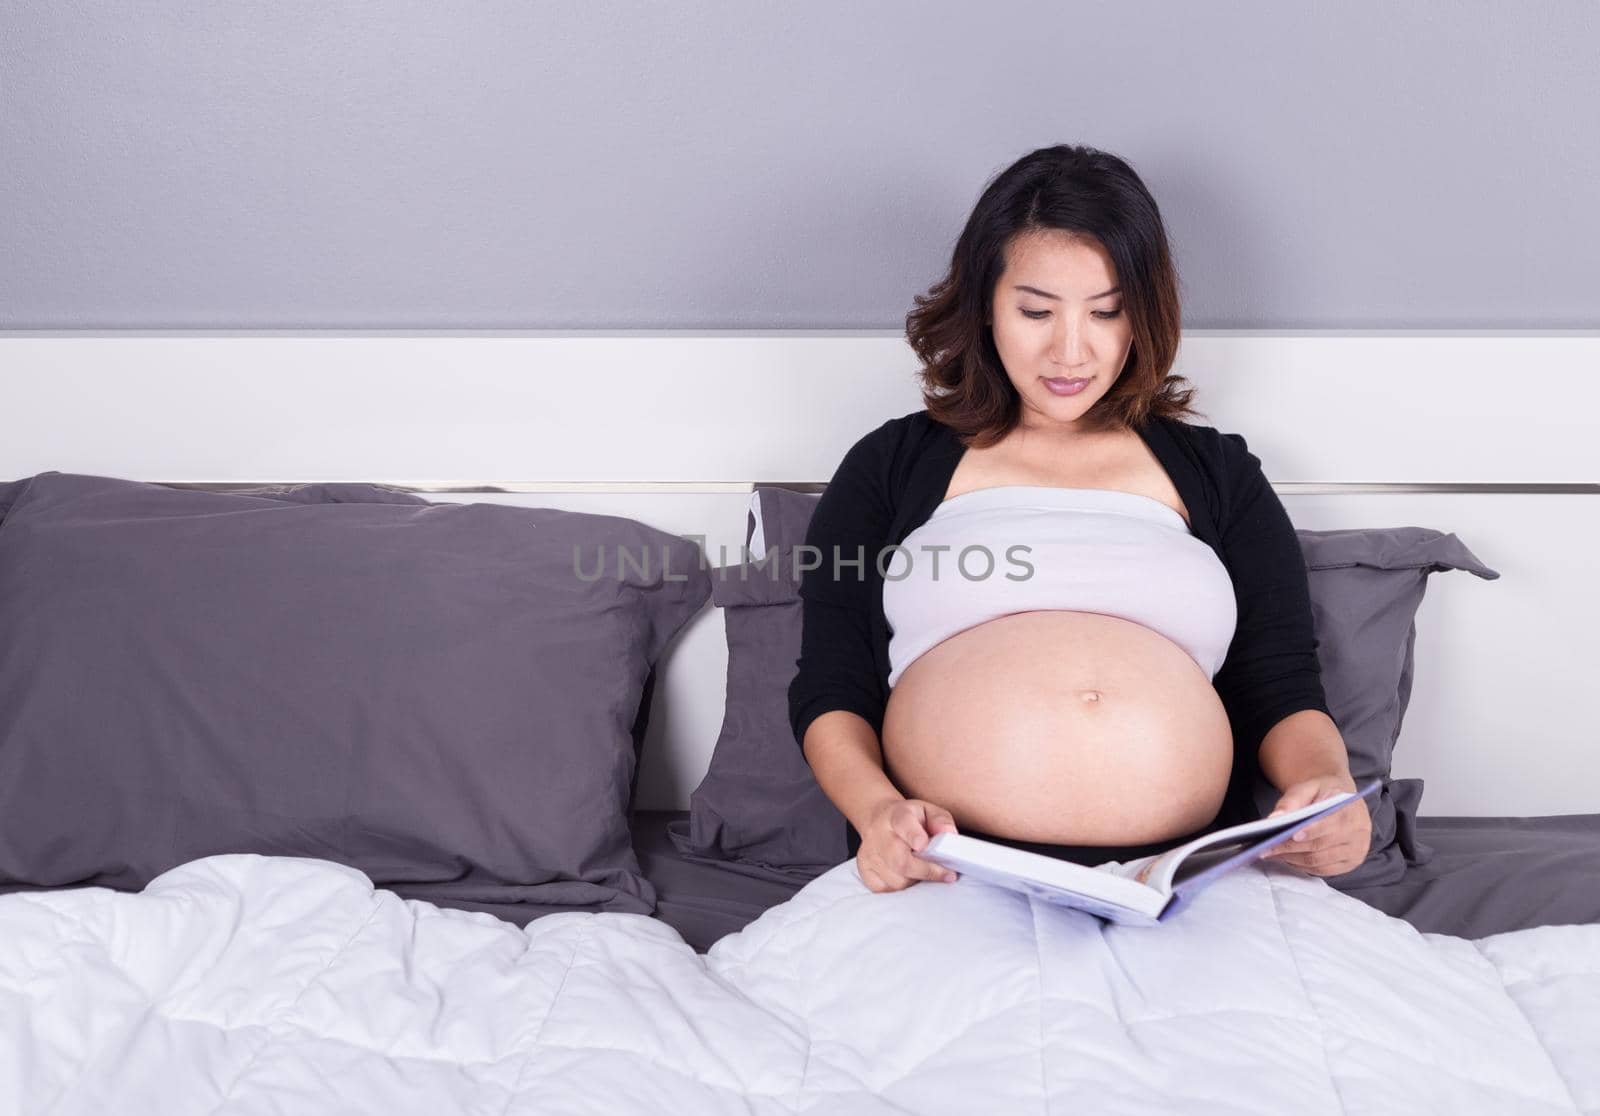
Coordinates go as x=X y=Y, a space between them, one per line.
x=1065 y=386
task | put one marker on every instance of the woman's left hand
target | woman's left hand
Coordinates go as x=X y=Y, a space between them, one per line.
x=1331 y=845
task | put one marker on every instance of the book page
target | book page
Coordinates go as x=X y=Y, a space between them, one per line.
x=1206 y=858
x=1155 y=871
x=1134 y=870
x=1142 y=869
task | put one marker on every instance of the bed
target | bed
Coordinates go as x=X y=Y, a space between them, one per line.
x=157 y=961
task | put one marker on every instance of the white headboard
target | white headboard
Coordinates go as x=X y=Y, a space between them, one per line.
x=1489 y=435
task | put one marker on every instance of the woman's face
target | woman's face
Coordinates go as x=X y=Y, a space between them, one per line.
x=1057 y=315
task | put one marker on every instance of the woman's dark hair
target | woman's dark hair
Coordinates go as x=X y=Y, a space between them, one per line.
x=1084 y=192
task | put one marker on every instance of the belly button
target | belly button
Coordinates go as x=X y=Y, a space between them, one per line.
x=1091 y=695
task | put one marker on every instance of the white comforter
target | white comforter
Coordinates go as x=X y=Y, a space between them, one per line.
x=243 y=983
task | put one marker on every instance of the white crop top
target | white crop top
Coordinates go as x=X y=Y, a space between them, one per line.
x=1088 y=550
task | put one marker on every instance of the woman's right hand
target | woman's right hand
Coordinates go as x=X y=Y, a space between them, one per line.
x=896 y=829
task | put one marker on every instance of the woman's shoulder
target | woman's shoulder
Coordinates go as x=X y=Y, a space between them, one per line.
x=900 y=437
x=1225 y=454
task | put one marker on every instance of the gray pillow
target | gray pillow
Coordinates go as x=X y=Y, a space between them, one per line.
x=759 y=803
x=756 y=806
x=439 y=695
x=338 y=492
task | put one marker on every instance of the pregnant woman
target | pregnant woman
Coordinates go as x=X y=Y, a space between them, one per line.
x=1048 y=611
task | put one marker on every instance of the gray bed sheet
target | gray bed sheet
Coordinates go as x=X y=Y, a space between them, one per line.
x=1491 y=875
x=1487 y=876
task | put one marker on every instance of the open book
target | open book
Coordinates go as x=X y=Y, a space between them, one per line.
x=1143 y=891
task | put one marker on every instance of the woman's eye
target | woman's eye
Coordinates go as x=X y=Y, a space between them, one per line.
x=1103 y=315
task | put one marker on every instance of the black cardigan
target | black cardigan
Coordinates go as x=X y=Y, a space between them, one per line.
x=891 y=480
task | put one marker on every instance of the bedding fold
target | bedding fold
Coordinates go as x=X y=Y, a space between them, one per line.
x=284 y=983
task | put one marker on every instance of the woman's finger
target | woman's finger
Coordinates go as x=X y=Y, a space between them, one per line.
x=1331 y=854
x=919 y=869
x=1290 y=846
x=1318 y=836
x=1302 y=848
x=1311 y=833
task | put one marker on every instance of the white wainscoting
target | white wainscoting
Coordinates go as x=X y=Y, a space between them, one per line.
x=1355 y=429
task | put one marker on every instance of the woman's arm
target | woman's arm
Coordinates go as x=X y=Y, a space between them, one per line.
x=838 y=666
x=846 y=758
x=1271 y=681
x=1304 y=745
x=837 y=697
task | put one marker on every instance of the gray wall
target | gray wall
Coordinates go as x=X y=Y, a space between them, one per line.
x=694 y=165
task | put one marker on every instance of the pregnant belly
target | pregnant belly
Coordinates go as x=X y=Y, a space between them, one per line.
x=1061 y=727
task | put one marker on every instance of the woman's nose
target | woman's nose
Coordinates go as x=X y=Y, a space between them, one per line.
x=1069 y=346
